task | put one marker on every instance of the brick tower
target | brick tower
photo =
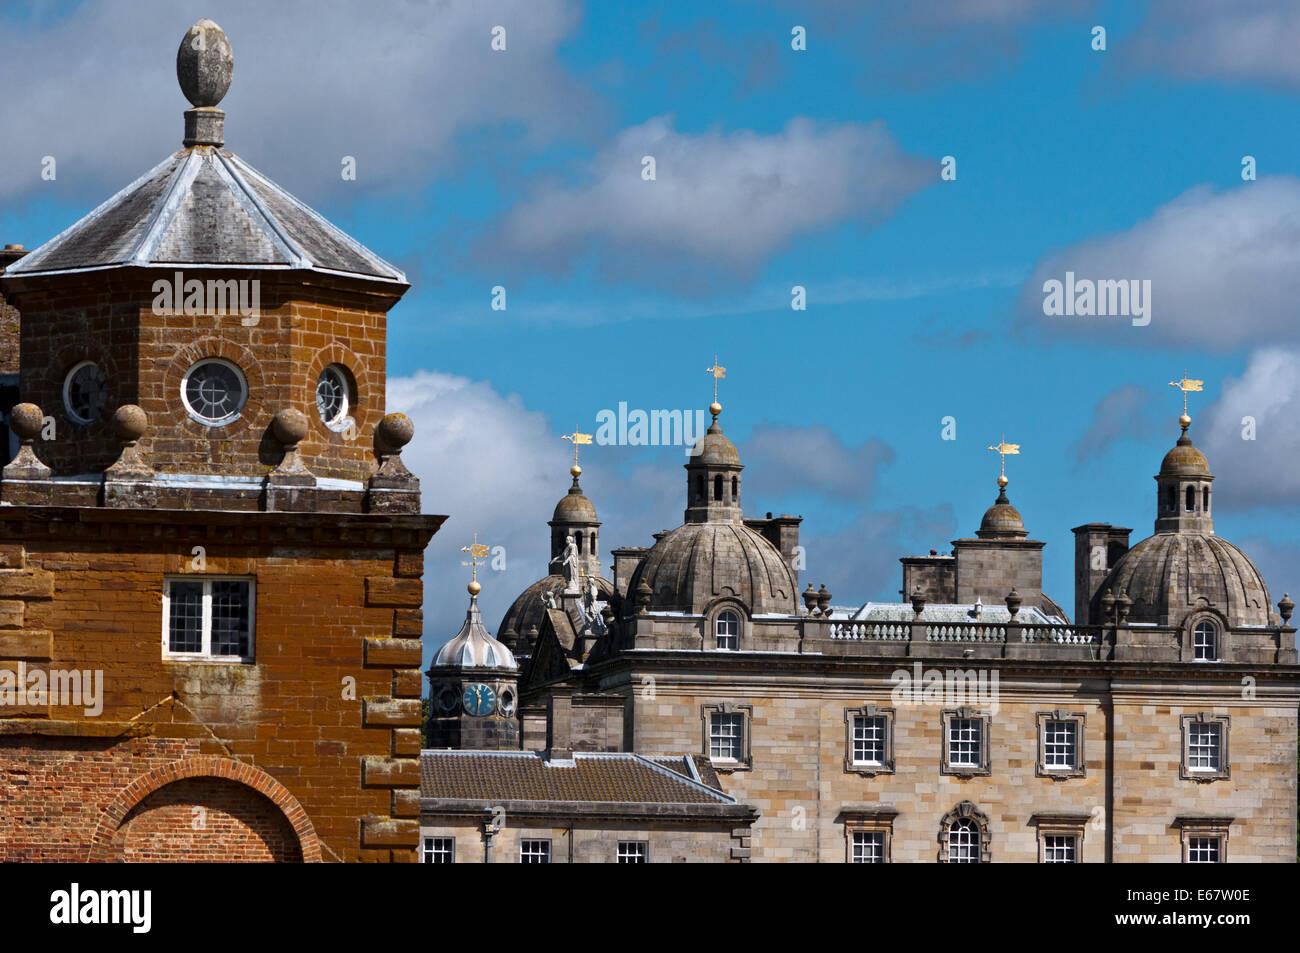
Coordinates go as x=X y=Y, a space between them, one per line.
x=209 y=518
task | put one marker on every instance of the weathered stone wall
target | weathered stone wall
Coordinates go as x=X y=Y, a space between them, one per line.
x=595 y=843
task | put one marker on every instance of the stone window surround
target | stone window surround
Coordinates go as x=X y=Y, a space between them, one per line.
x=868 y=711
x=1080 y=768
x=709 y=621
x=1060 y=825
x=1225 y=767
x=875 y=818
x=746 y=762
x=1190 y=826
x=1223 y=636
x=965 y=809
x=985 y=719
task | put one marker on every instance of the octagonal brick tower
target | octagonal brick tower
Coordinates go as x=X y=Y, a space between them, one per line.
x=209 y=507
x=213 y=299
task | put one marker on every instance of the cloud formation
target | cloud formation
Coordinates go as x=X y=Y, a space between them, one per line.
x=1260 y=471
x=1124 y=413
x=784 y=460
x=1224 y=268
x=314 y=80
x=719 y=200
x=1242 y=41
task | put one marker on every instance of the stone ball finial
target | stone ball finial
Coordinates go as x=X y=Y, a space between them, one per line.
x=205 y=64
x=289 y=426
x=26 y=420
x=130 y=422
x=395 y=431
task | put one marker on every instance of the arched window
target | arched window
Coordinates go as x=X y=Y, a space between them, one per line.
x=1205 y=499
x=964 y=836
x=699 y=489
x=1171 y=499
x=591 y=543
x=717 y=487
x=1205 y=641
x=577 y=541
x=726 y=629
x=1191 y=499
x=735 y=489
x=964 y=842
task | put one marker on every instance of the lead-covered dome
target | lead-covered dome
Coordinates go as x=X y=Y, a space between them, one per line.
x=1167 y=575
x=1002 y=520
x=525 y=614
x=691 y=566
x=473 y=646
x=1184 y=460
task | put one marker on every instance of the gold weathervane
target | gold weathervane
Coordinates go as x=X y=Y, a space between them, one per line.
x=579 y=439
x=1002 y=450
x=718 y=372
x=1186 y=385
x=476 y=552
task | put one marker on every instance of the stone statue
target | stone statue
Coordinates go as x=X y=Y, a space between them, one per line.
x=569 y=565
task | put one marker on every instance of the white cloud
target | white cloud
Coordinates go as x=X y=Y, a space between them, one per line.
x=314 y=80
x=1261 y=471
x=1124 y=413
x=1246 y=40
x=720 y=200
x=784 y=460
x=1224 y=268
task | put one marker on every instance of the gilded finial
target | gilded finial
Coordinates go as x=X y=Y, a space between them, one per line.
x=1186 y=385
x=476 y=552
x=1002 y=450
x=718 y=372
x=579 y=439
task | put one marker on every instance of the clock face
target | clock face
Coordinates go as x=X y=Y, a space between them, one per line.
x=479 y=699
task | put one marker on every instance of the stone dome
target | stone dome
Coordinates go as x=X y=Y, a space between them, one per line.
x=1002 y=520
x=715 y=449
x=474 y=647
x=1184 y=460
x=1167 y=574
x=691 y=566
x=527 y=610
x=574 y=507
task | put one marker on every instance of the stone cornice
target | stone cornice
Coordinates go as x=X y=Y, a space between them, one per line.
x=685 y=812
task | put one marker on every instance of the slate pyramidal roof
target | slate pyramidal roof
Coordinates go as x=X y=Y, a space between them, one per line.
x=203 y=206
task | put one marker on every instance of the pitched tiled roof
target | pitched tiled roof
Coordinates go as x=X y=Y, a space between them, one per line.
x=204 y=207
x=589 y=777
x=703 y=768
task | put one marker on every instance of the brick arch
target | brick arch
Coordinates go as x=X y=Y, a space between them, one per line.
x=203 y=766
x=256 y=413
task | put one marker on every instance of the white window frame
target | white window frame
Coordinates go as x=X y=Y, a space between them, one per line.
x=867 y=846
x=736 y=740
x=1197 y=724
x=632 y=852
x=438 y=847
x=340 y=420
x=981 y=722
x=1068 y=843
x=966 y=850
x=733 y=637
x=540 y=852
x=1212 y=644
x=862 y=738
x=1077 y=768
x=1204 y=741
x=206 y=654
x=241 y=403
x=965 y=726
x=75 y=417
x=1212 y=842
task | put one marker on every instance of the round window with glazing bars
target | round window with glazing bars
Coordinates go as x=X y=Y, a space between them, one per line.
x=333 y=397
x=85 y=390
x=214 y=392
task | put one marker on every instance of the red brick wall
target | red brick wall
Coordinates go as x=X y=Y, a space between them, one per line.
x=329 y=708
x=204 y=820
x=302 y=326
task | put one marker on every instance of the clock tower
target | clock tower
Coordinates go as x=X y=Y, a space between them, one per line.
x=474 y=689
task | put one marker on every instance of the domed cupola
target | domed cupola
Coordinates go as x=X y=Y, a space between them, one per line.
x=1183 y=488
x=474 y=686
x=713 y=477
x=575 y=518
x=1002 y=520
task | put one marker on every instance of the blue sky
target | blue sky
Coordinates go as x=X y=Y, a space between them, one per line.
x=776 y=168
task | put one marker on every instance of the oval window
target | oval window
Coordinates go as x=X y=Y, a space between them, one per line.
x=214 y=392
x=333 y=397
x=85 y=391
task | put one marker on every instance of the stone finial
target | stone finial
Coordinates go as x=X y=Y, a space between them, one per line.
x=810 y=599
x=289 y=428
x=393 y=433
x=824 y=600
x=130 y=423
x=1123 y=603
x=1286 y=607
x=26 y=420
x=643 y=594
x=918 y=601
x=205 y=65
x=1013 y=603
x=1108 y=607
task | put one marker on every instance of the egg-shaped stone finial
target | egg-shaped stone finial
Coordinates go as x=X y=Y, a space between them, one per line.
x=130 y=422
x=26 y=421
x=395 y=432
x=205 y=64
x=289 y=426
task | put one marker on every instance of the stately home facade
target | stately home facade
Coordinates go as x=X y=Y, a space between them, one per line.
x=972 y=723
x=210 y=551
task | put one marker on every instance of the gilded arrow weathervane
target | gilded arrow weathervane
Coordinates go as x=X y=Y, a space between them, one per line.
x=578 y=439
x=718 y=372
x=1002 y=450
x=1187 y=385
